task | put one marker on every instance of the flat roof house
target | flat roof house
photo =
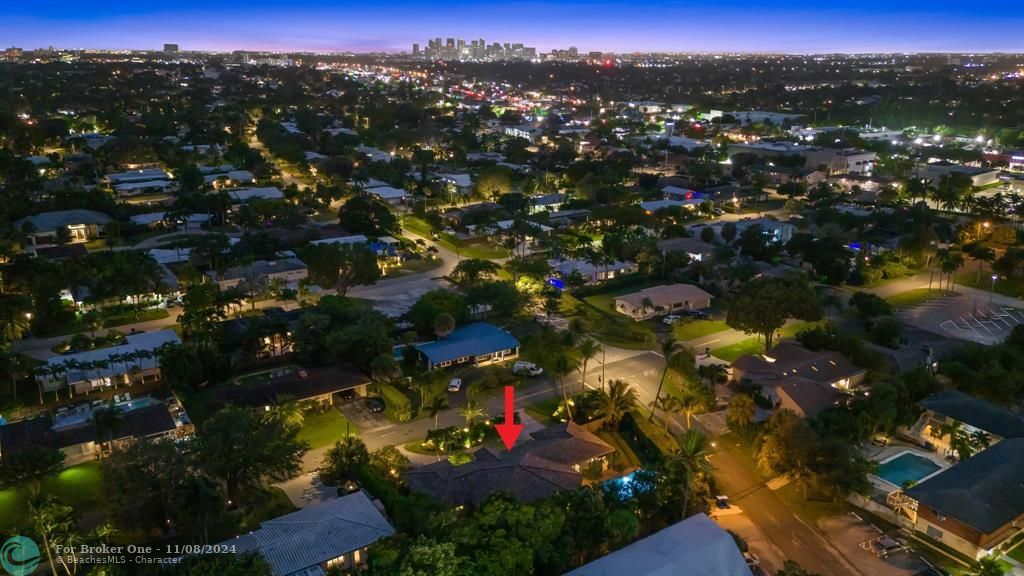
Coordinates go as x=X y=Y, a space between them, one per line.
x=477 y=343
x=332 y=535
x=650 y=302
x=592 y=274
x=974 y=506
x=695 y=546
x=134 y=361
x=697 y=250
x=82 y=225
x=973 y=415
x=73 y=432
x=291 y=270
x=552 y=461
x=243 y=195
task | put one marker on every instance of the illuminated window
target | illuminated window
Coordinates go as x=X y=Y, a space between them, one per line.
x=339 y=561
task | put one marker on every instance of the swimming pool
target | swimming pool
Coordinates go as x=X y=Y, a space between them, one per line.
x=906 y=467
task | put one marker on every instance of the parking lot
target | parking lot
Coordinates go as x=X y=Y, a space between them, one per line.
x=861 y=542
x=966 y=318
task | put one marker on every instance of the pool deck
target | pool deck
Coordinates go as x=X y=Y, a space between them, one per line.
x=893 y=451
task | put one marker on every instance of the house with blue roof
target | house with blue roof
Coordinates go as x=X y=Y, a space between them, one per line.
x=478 y=343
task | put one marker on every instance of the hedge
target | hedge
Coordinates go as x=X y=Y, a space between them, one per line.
x=397 y=403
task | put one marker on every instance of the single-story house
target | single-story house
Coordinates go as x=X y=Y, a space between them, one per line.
x=230 y=178
x=552 y=461
x=591 y=273
x=697 y=250
x=134 y=361
x=679 y=193
x=243 y=195
x=82 y=225
x=696 y=546
x=974 y=506
x=389 y=194
x=478 y=343
x=145 y=187
x=144 y=175
x=790 y=362
x=650 y=302
x=934 y=171
x=290 y=269
x=652 y=206
x=349 y=240
x=547 y=202
x=973 y=414
x=308 y=386
x=73 y=431
x=807 y=398
x=332 y=535
x=375 y=155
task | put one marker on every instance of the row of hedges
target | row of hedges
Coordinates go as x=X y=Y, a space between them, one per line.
x=398 y=405
x=649 y=441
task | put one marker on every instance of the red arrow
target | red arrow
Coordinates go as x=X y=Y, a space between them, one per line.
x=509 y=430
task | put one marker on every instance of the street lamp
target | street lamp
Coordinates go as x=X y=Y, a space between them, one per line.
x=993 y=290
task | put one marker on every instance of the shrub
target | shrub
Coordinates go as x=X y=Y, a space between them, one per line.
x=398 y=404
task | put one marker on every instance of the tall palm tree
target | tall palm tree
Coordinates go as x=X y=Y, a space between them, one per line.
x=668 y=349
x=108 y=420
x=692 y=459
x=562 y=366
x=668 y=405
x=471 y=412
x=586 y=350
x=950 y=264
x=614 y=404
x=52 y=521
x=690 y=404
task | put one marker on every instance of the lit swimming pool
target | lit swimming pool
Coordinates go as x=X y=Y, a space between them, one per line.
x=906 y=467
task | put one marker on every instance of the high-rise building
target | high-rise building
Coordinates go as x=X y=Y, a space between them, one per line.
x=415 y=49
x=171 y=48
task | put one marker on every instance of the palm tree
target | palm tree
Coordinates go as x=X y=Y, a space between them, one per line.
x=471 y=411
x=950 y=264
x=981 y=254
x=690 y=404
x=108 y=420
x=646 y=304
x=692 y=459
x=587 y=349
x=52 y=521
x=564 y=365
x=289 y=410
x=668 y=348
x=614 y=404
x=668 y=405
x=741 y=411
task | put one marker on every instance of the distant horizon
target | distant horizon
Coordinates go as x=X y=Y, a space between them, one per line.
x=613 y=26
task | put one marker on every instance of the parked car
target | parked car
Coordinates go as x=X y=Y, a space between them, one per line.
x=500 y=419
x=670 y=319
x=375 y=405
x=455 y=384
x=700 y=315
x=528 y=368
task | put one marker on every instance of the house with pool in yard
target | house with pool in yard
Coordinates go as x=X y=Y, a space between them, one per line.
x=974 y=506
x=651 y=302
x=554 y=459
x=334 y=535
x=73 y=430
x=479 y=343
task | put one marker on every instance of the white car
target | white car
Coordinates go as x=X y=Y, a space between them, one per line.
x=455 y=384
x=670 y=319
x=528 y=368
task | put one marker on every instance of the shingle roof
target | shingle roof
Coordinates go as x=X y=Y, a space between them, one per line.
x=790 y=361
x=694 y=547
x=314 y=535
x=49 y=221
x=470 y=340
x=976 y=412
x=317 y=382
x=140 y=422
x=531 y=471
x=985 y=491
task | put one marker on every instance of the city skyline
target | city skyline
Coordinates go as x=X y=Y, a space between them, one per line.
x=793 y=26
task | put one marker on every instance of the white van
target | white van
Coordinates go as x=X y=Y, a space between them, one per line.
x=528 y=368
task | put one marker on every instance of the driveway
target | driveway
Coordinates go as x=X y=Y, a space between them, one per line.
x=357 y=411
x=847 y=532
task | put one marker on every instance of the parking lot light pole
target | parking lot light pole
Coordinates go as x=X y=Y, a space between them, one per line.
x=992 y=291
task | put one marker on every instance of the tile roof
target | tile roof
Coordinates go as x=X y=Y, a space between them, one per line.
x=312 y=536
x=531 y=471
x=985 y=491
x=976 y=412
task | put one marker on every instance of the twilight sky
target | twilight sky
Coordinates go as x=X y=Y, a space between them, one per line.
x=611 y=25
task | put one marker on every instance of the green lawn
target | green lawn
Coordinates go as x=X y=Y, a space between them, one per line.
x=1013 y=287
x=415 y=267
x=133 y=317
x=690 y=330
x=480 y=251
x=752 y=345
x=543 y=411
x=624 y=454
x=611 y=327
x=912 y=298
x=325 y=429
x=80 y=487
